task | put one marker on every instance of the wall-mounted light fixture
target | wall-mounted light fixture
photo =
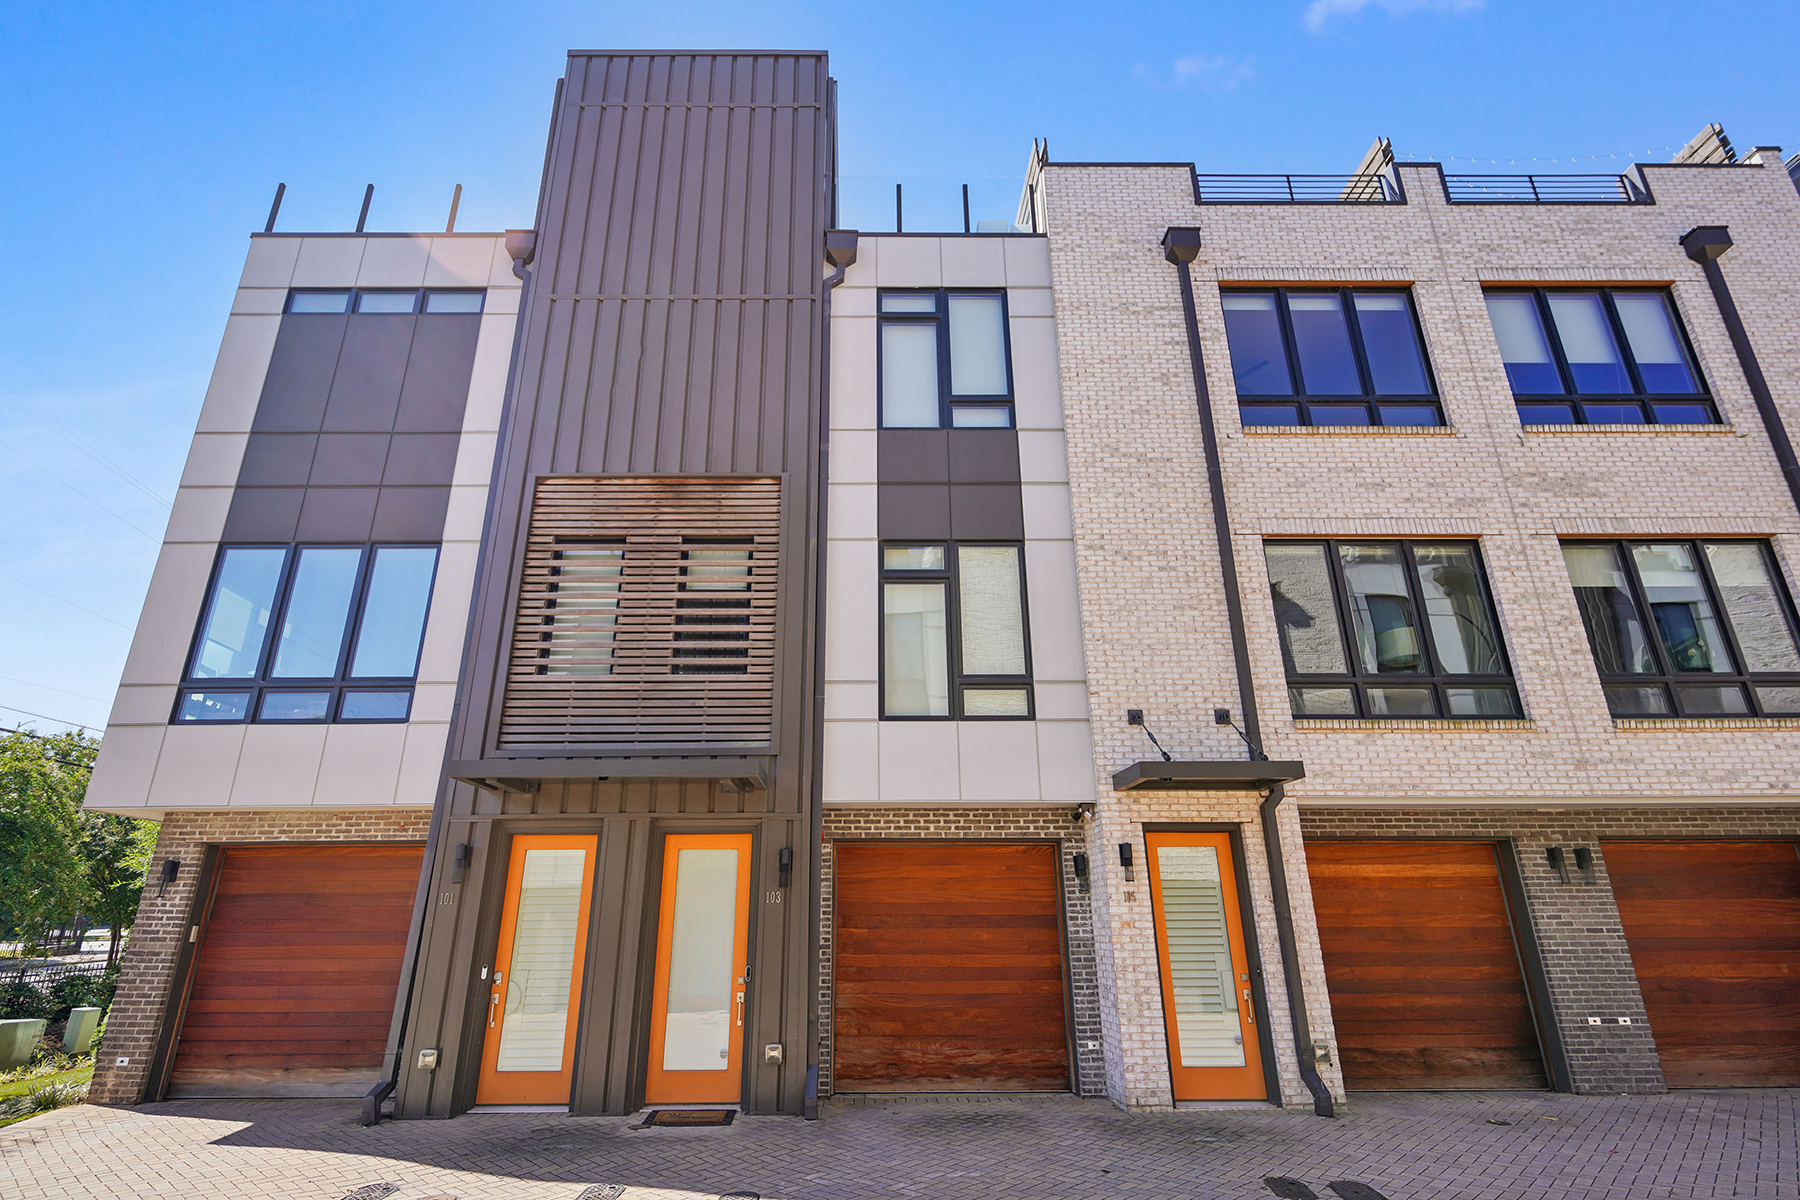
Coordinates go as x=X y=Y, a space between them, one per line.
x=1558 y=863
x=1125 y=861
x=1584 y=862
x=459 y=865
x=1083 y=812
x=1081 y=871
x=784 y=861
x=170 y=869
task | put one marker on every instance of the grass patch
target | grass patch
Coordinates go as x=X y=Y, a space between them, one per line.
x=43 y=1093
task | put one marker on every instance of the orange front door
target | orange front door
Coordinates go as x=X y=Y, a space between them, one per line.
x=534 y=997
x=697 y=1009
x=1207 y=1012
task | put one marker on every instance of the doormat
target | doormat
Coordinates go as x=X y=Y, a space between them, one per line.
x=687 y=1117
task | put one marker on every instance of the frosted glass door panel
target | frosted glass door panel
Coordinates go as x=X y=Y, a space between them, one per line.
x=1200 y=967
x=697 y=1036
x=536 y=1018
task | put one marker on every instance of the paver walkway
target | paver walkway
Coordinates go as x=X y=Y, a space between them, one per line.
x=1406 y=1146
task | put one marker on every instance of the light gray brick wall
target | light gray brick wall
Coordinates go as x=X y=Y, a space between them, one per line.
x=1151 y=587
x=134 y=1022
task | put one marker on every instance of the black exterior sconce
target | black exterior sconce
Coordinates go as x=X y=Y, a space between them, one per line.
x=1081 y=871
x=459 y=865
x=1558 y=862
x=1125 y=861
x=784 y=861
x=1584 y=862
x=170 y=869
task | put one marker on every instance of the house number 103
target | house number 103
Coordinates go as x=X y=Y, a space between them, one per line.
x=773 y=897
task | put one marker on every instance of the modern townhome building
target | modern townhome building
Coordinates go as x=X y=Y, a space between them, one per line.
x=1204 y=639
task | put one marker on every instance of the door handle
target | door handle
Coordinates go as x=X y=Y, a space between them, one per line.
x=740 y=1010
x=493 y=1007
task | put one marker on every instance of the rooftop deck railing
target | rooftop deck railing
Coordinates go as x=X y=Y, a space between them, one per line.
x=1543 y=189
x=1296 y=189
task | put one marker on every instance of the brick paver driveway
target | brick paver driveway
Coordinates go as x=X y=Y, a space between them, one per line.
x=1406 y=1147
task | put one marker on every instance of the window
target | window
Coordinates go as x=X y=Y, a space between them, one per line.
x=1719 y=639
x=953 y=636
x=309 y=634
x=1388 y=629
x=945 y=361
x=1347 y=357
x=374 y=300
x=1599 y=356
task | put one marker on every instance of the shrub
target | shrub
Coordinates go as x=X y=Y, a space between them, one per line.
x=20 y=999
x=43 y=1099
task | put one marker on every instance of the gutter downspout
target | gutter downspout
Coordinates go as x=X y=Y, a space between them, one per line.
x=840 y=251
x=1181 y=246
x=1704 y=244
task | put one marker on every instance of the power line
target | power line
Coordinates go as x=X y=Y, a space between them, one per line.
x=48 y=688
x=90 y=612
x=81 y=445
x=40 y=737
x=58 y=720
x=79 y=492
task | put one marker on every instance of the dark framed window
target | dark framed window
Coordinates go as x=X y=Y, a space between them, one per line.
x=1389 y=629
x=1598 y=356
x=1688 y=628
x=1344 y=356
x=309 y=634
x=945 y=360
x=385 y=300
x=954 y=640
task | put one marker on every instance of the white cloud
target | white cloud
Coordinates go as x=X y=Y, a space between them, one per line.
x=1320 y=12
x=1215 y=73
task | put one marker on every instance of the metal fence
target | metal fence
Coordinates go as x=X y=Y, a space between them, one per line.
x=1543 y=189
x=45 y=975
x=1295 y=189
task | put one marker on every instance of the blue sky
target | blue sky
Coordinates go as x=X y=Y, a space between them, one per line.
x=142 y=143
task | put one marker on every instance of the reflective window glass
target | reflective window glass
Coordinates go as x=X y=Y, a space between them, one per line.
x=1305 y=608
x=584 y=621
x=375 y=706
x=1269 y=414
x=213 y=706
x=319 y=302
x=1588 y=343
x=1381 y=608
x=902 y=303
x=386 y=302
x=992 y=615
x=453 y=302
x=1638 y=701
x=1530 y=366
x=1680 y=607
x=1655 y=343
x=726 y=569
x=294 y=706
x=1613 y=414
x=995 y=702
x=1456 y=610
x=1253 y=330
x=1408 y=414
x=915 y=664
x=1391 y=345
x=981 y=416
x=1402 y=702
x=1339 y=414
x=1322 y=701
x=1755 y=606
x=909 y=376
x=1322 y=342
x=977 y=345
x=318 y=608
x=1609 y=613
x=237 y=620
x=912 y=558
x=393 y=616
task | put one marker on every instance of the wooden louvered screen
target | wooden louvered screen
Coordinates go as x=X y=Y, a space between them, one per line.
x=646 y=615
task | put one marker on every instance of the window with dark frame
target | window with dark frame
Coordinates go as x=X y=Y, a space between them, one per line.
x=945 y=360
x=309 y=634
x=954 y=641
x=1386 y=629
x=1598 y=356
x=1342 y=356
x=392 y=301
x=1688 y=628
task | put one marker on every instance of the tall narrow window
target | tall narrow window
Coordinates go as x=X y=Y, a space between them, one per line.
x=1388 y=629
x=1597 y=356
x=346 y=648
x=1692 y=629
x=953 y=632
x=945 y=360
x=1341 y=357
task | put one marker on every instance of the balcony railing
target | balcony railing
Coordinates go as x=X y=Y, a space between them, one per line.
x=1296 y=189
x=1543 y=189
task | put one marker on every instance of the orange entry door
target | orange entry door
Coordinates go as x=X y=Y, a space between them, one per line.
x=534 y=997
x=697 y=1009
x=1214 y=1053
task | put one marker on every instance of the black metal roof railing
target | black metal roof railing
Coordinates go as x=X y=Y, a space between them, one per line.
x=1543 y=189
x=1296 y=189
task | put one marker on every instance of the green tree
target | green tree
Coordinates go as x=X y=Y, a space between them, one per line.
x=42 y=779
x=116 y=852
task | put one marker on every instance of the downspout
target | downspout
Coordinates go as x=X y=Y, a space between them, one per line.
x=840 y=251
x=1704 y=244
x=1181 y=246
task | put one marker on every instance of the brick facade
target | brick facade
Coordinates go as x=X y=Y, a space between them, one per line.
x=134 y=1022
x=997 y=824
x=1152 y=588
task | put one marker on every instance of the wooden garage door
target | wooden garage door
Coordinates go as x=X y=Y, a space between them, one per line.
x=299 y=961
x=949 y=973
x=1426 y=989
x=1714 y=931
